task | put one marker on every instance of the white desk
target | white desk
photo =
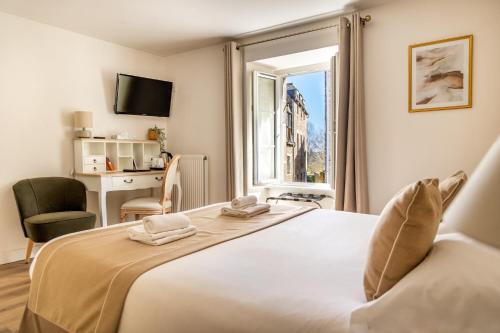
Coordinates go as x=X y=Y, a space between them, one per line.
x=123 y=181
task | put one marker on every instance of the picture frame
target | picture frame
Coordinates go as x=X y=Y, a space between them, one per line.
x=440 y=74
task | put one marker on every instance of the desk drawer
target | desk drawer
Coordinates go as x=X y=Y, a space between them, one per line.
x=90 y=160
x=144 y=181
x=94 y=168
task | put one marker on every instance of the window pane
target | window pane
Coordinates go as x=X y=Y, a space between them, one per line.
x=265 y=106
x=266 y=129
x=266 y=92
x=266 y=164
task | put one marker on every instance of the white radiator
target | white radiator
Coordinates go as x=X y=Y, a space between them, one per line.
x=194 y=182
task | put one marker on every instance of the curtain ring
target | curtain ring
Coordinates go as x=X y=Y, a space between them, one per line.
x=365 y=19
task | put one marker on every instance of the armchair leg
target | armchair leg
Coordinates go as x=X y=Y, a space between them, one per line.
x=29 y=248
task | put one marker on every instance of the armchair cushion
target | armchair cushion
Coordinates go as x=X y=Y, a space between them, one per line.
x=44 y=227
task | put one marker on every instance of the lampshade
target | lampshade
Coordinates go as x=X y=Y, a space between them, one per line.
x=83 y=119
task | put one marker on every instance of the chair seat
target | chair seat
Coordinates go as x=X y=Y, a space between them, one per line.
x=147 y=203
x=44 y=227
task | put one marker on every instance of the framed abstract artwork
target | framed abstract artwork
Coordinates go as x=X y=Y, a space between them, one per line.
x=440 y=75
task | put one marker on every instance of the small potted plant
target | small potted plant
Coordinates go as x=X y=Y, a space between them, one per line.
x=160 y=136
x=152 y=133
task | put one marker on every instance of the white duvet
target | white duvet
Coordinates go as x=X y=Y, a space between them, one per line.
x=305 y=274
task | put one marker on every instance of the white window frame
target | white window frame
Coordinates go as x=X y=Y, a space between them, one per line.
x=280 y=166
x=277 y=119
x=332 y=124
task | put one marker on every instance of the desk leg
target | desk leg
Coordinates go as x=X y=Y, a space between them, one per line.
x=179 y=191
x=103 y=212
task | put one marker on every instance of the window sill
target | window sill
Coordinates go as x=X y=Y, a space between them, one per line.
x=272 y=190
x=295 y=187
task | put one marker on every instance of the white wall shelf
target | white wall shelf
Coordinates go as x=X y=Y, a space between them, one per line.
x=91 y=154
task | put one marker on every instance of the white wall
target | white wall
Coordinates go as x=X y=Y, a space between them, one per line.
x=46 y=74
x=197 y=121
x=404 y=147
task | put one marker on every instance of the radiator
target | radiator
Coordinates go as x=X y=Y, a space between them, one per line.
x=194 y=182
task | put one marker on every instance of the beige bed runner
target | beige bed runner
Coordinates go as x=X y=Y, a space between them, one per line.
x=80 y=282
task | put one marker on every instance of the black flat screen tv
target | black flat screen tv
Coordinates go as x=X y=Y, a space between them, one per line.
x=142 y=96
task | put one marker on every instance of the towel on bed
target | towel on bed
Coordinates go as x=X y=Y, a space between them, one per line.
x=246 y=212
x=167 y=222
x=244 y=202
x=138 y=233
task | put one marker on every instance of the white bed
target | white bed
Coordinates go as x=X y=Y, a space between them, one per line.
x=305 y=274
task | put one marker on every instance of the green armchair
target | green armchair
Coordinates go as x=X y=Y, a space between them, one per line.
x=50 y=207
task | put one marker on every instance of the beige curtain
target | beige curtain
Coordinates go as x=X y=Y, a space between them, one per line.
x=351 y=188
x=233 y=72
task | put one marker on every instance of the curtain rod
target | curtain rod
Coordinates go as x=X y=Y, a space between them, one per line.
x=363 y=21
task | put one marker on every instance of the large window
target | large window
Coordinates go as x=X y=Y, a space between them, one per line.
x=293 y=123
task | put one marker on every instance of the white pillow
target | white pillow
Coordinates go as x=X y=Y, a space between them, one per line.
x=476 y=209
x=455 y=289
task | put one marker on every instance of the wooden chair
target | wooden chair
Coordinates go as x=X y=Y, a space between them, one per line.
x=152 y=205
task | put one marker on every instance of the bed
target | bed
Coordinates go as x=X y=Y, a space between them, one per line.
x=304 y=274
x=293 y=270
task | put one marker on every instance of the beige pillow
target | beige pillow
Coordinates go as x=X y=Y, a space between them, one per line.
x=450 y=187
x=404 y=235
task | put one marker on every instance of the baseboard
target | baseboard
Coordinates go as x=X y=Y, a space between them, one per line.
x=16 y=255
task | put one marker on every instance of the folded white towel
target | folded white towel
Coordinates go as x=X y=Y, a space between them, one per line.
x=244 y=202
x=246 y=212
x=160 y=223
x=138 y=233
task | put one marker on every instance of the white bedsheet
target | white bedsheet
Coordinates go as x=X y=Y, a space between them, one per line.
x=305 y=274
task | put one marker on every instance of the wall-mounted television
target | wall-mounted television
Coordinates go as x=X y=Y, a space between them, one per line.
x=142 y=96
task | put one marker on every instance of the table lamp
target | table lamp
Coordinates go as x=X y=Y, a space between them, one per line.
x=83 y=120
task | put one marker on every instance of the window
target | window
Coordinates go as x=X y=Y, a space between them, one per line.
x=293 y=121
x=265 y=127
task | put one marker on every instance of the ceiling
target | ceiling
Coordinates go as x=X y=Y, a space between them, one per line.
x=166 y=27
x=299 y=59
